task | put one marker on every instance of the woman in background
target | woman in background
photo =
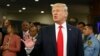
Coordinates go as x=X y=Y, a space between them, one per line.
x=0 y=40
x=11 y=44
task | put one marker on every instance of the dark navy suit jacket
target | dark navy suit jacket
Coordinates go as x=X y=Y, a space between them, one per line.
x=46 y=42
x=22 y=49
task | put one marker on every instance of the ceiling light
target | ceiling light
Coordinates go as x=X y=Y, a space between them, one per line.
x=42 y=11
x=20 y=11
x=4 y=17
x=51 y=5
x=36 y=0
x=8 y=5
x=23 y=8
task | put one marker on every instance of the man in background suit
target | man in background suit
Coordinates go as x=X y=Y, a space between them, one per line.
x=22 y=33
x=60 y=39
x=33 y=30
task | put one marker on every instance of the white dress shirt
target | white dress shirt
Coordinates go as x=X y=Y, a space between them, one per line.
x=25 y=33
x=64 y=31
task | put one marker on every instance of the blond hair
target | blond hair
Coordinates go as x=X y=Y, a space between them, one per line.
x=60 y=5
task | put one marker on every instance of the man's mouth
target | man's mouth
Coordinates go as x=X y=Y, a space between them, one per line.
x=55 y=17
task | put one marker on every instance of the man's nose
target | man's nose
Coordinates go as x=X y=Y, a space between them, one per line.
x=55 y=13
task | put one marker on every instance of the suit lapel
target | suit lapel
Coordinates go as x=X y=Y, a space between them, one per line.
x=69 y=38
x=53 y=37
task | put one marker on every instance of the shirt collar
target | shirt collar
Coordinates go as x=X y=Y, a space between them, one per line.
x=26 y=31
x=34 y=36
x=64 y=25
x=90 y=36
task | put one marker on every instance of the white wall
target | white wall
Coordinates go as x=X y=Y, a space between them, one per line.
x=78 y=11
x=45 y=19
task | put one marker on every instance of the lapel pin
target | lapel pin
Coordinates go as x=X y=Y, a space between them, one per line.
x=70 y=29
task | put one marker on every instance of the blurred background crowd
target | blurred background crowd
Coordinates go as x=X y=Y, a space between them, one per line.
x=27 y=17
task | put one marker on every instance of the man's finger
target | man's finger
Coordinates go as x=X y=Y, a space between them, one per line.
x=34 y=39
x=22 y=40
x=29 y=37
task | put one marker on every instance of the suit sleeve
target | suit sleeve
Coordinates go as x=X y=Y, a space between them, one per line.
x=29 y=50
x=80 y=48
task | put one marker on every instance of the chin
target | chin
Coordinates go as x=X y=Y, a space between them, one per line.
x=55 y=21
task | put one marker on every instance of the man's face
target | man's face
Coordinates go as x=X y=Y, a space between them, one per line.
x=80 y=27
x=59 y=14
x=86 y=31
x=25 y=26
x=33 y=31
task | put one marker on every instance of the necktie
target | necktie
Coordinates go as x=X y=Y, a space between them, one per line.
x=60 y=42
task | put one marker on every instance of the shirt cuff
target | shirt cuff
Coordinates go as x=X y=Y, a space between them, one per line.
x=28 y=50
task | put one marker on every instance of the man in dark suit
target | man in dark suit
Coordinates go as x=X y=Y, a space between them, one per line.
x=24 y=31
x=60 y=39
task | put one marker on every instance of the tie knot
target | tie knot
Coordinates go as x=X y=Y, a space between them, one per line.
x=60 y=26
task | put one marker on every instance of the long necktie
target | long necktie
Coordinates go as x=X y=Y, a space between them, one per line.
x=60 y=42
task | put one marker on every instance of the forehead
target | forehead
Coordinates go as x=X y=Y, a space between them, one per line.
x=80 y=25
x=25 y=23
x=57 y=8
x=32 y=28
x=86 y=27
